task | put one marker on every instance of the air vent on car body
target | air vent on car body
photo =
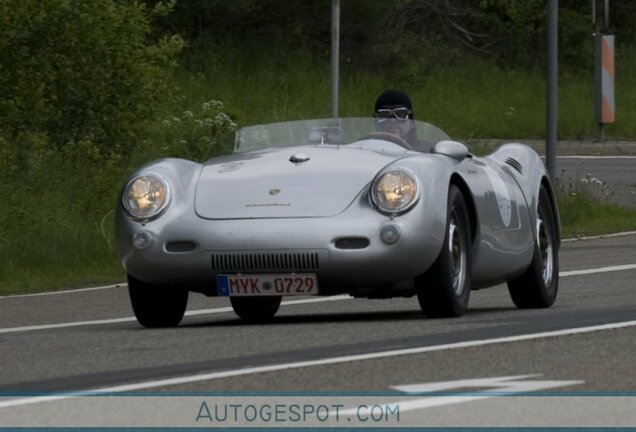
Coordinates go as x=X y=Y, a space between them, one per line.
x=181 y=246
x=515 y=164
x=266 y=261
x=351 y=243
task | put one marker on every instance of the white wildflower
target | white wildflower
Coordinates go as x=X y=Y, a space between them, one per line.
x=211 y=104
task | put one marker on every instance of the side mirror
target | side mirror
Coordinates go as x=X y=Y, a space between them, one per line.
x=452 y=149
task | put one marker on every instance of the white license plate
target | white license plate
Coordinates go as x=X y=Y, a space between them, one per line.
x=267 y=284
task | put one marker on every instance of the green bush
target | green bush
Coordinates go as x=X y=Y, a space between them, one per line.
x=77 y=70
x=81 y=86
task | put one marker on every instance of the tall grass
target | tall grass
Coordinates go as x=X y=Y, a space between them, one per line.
x=625 y=126
x=583 y=215
x=588 y=206
x=53 y=234
x=56 y=222
x=471 y=97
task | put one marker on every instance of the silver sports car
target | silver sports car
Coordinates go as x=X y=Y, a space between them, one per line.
x=332 y=206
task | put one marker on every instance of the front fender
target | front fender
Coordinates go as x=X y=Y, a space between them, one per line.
x=181 y=176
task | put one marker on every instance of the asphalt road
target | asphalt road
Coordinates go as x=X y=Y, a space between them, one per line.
x=88 y=340
x=585 y=344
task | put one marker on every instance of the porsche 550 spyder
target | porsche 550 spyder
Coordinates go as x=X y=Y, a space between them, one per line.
x=331 y=206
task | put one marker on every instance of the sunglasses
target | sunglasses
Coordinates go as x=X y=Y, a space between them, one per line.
x=393 y=113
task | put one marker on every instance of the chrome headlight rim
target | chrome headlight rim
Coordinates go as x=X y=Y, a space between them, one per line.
x=403 y=209
x=156 y=213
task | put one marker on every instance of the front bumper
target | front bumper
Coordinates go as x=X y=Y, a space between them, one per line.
x=345 y=251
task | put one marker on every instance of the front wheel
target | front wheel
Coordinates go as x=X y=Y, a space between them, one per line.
x=537 y=287
x=444 y=289
x=256 y=309
x=157 y=305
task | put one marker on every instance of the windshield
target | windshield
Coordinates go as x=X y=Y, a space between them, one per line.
x=340 y=131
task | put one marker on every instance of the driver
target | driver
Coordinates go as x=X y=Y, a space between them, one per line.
x=394 y=114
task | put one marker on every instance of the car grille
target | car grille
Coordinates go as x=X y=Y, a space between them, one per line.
x=267 y=261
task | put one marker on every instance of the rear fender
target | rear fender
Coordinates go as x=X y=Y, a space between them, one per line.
x=527 y=169
x=547 y=184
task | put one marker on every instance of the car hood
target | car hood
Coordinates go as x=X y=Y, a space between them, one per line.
x=266 y=184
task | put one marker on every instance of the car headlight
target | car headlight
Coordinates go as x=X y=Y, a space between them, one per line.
x=394 y=191
x=145 y=197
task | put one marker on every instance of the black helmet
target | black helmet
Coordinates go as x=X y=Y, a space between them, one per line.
x=393 y=99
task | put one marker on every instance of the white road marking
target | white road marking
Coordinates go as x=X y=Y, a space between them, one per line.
x=65 y=325
x=501 y=385
x=598 y=270
x=132 y=319
x=311 y=363
x=69 y=291
x=600 y=236
x=488 y=388
x=594 y=157
x=285 y=303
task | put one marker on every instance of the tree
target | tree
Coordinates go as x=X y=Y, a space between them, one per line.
x=81 y=70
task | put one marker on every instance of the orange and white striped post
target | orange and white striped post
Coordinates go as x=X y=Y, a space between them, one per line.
x=607 y=112
x=604 y=66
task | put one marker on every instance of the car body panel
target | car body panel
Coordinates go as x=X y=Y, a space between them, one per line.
x=257 y=211
x=266 y=184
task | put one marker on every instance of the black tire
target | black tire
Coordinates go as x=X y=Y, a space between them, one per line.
x=157 y=306
x=256 y=309
x=537 y=287
x=444 y=290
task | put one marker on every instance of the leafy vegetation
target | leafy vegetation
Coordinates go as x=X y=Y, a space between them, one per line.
x=81 y=83
x=80 y=71
x=91 y=89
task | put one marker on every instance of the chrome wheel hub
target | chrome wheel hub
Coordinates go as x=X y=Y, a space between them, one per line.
x=457 y=253
x=545 y=251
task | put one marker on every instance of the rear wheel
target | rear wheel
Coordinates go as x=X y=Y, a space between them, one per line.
x=157 y=305
x=444 y=290
x=256 y=309
x=537 y=287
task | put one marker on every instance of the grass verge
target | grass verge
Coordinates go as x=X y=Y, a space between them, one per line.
x=56 y=231
x=582 y=215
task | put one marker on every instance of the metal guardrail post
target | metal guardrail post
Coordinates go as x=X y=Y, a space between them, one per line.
x=335 y=55
x=552 y=87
